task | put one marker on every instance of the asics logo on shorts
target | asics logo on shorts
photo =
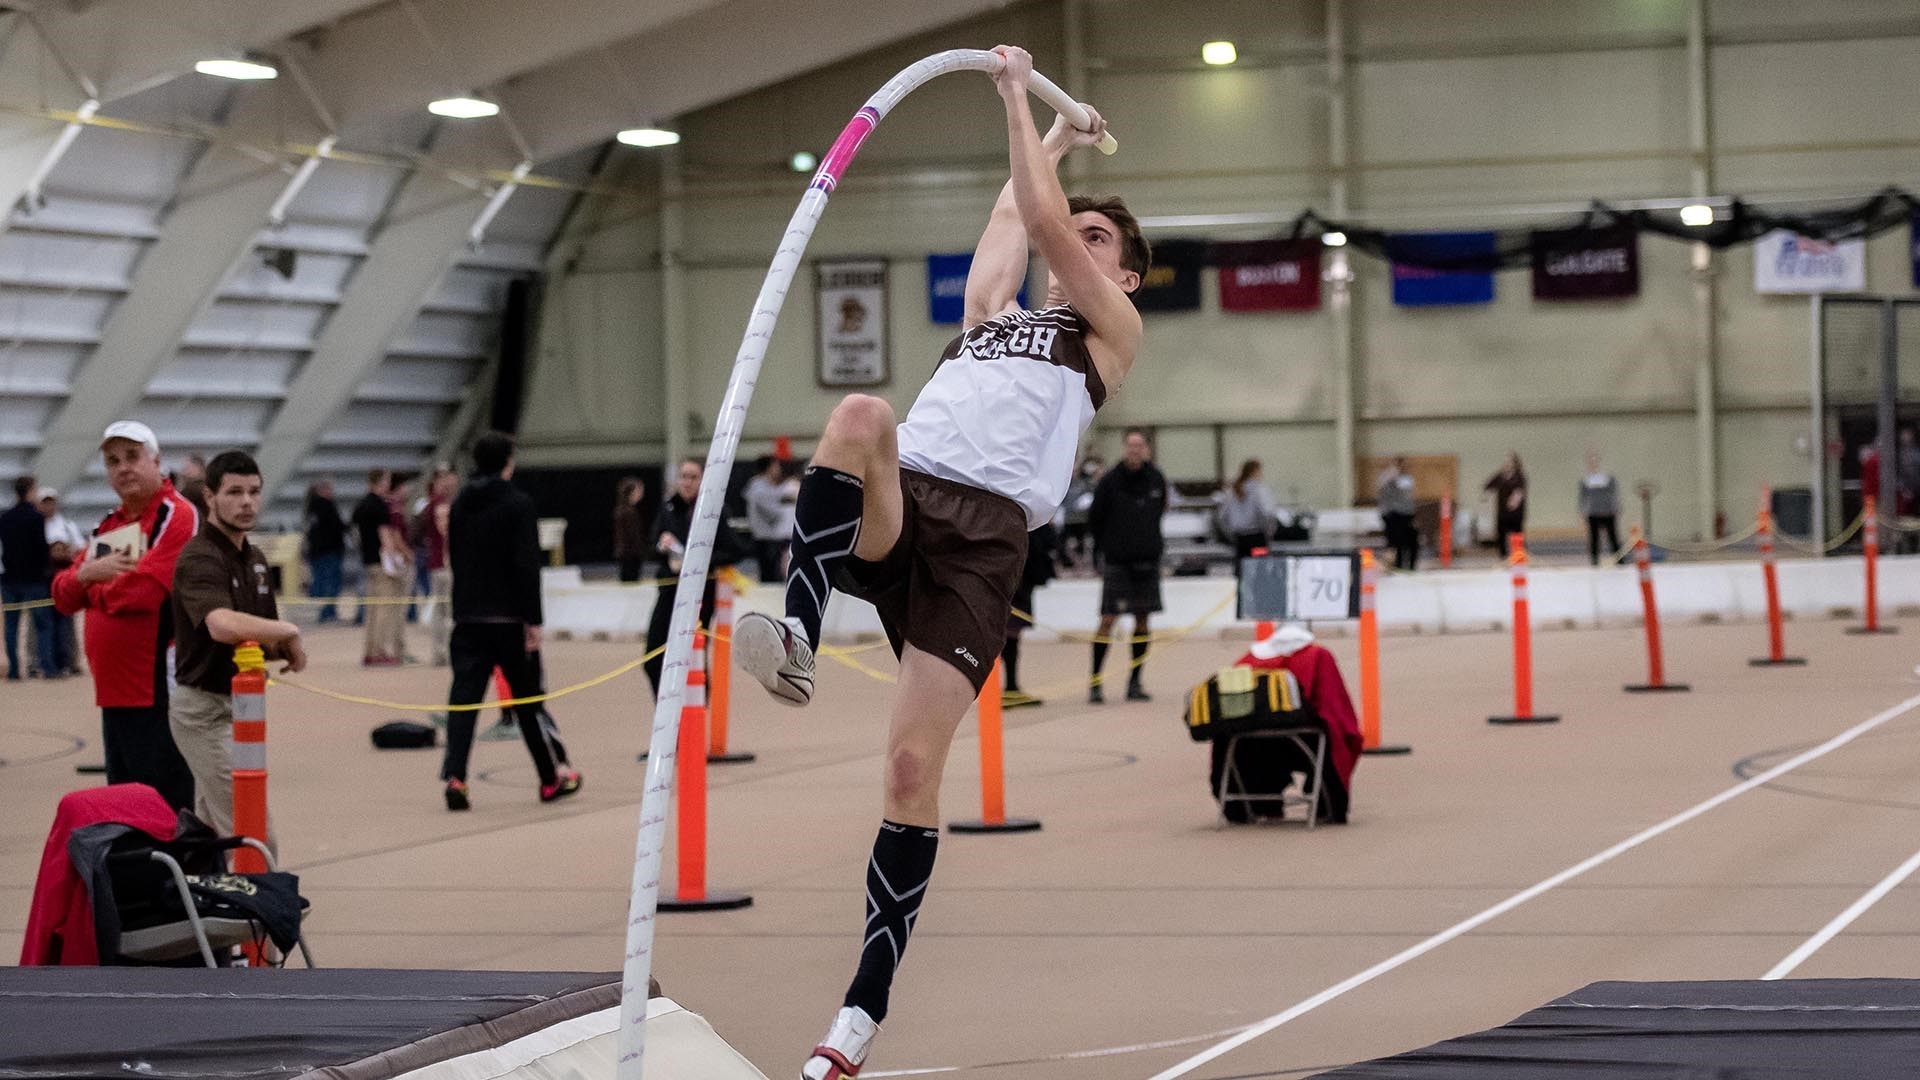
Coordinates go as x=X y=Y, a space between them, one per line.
x=961 y=651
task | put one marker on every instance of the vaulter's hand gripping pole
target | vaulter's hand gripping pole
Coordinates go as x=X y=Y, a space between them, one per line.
x=706 y=514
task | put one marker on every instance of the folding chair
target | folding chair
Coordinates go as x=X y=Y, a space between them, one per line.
x=1312 y=741
x=162 y=919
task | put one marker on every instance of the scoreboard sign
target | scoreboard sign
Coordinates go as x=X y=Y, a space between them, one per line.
x=1300 y=586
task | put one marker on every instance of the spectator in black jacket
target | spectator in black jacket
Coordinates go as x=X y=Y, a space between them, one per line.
x=326 y=546
x=1127 y=542
x=670 y=533
x=24 y=578
x=493 y=543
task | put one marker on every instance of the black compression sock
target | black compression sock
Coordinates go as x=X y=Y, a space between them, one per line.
x=1010 y=659
x=1099 y=656
x=826 y=525
x=897 y=877
x=1139 y=658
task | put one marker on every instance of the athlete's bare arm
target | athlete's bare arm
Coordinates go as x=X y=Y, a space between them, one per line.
x=1000 y=259
x=1113 y=324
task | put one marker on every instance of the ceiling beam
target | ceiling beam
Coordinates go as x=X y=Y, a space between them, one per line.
x=221 y=207
x=422 y=237
x=718 y=54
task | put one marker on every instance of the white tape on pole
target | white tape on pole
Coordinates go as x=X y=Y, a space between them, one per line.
x=645 y=894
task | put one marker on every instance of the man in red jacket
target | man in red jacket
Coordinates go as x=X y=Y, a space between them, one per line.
x=123 y=584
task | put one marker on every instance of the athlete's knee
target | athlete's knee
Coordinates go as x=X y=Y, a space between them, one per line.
x=860 y=420
x=910 y=778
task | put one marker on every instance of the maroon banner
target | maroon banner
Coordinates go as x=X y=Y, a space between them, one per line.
x=1586 y=264
x=1269 y=275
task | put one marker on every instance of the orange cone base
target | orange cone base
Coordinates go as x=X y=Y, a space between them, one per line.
x=1535 y=719
x=1388 y=750
x=1785 y=661
x=1012 y=824
x=1873 y=630
x=1663 y=688
x=713 y=901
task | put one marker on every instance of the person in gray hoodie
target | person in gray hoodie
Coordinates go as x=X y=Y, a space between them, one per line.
x=1394 y=496
x=1600 y=505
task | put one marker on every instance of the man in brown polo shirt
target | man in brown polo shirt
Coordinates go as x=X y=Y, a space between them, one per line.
x=221 y=597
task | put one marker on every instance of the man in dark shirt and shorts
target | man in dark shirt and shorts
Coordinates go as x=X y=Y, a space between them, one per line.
x=221 y=597
x=1128 y=506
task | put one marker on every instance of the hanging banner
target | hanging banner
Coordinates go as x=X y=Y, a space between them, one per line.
x=1418 y=286
x=1786 y=262
x=1173 y=281
x=1269 y=275
x=1586 y=264
x=947 y=287
x=851 y=317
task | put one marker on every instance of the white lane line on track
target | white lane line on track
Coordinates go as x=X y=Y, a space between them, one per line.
x=1841 y=921
x=1467 y=925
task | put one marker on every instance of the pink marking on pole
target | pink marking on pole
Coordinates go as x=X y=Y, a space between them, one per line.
x=844 y=147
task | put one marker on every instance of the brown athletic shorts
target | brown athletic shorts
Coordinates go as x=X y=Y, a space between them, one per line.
x=948 y=583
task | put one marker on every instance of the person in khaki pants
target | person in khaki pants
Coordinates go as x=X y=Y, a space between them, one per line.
x=221 y=597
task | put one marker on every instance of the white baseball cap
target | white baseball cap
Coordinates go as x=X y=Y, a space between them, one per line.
x=48 y=492
x=132 y=431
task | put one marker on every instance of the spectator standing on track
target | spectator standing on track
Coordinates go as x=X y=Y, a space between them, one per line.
x=122 y=582
x=326 y=542
x=1246 y=510
x=1074 y=543
x=66 y=541
x=1393 y=494
x=1600 y=505
x=1125 y=525
x=24 y=573
x=384 y=556
x=493 y=542
x=670 y=540
x=1039 y=569
x=222 y=596
x=1509 y=487
x=431 y=526
x=629 y=530
x=771 y=497
x=368 y=515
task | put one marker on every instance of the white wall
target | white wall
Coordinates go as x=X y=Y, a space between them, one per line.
x=1463 y=115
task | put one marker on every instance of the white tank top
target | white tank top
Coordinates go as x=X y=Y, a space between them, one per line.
x=1005 y=409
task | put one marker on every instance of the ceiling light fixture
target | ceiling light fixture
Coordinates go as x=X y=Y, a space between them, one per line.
x=231 y=68
x=1697 y=214
x=648 y=136
x=463 y=108
x=1334 y=239
x=1219 y=53
x=803 y=161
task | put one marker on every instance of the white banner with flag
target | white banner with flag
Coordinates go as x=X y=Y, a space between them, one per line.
x=1786 y=262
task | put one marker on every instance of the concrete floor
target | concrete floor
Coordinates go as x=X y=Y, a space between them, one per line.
x=1130 y=918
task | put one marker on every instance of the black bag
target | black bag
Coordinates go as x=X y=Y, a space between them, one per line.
x=1238 y=699
x=404 y=735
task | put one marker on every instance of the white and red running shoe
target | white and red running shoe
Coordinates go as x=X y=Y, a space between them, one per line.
x=775 y=651
x=840 y=1055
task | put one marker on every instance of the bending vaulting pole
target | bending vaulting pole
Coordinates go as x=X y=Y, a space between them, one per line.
x=706 y=514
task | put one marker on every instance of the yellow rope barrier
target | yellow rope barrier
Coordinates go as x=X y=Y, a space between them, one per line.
x=535 y=699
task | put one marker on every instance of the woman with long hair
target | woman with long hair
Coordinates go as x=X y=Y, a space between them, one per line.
x=1246 y=510
x=1509 y=487
x=629 y=531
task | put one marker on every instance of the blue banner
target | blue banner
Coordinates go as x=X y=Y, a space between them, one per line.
x=1424 y=286
x=947 y=287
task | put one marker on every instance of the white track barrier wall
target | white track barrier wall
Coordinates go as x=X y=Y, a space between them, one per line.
x=644 y=895
x=1435 y=603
